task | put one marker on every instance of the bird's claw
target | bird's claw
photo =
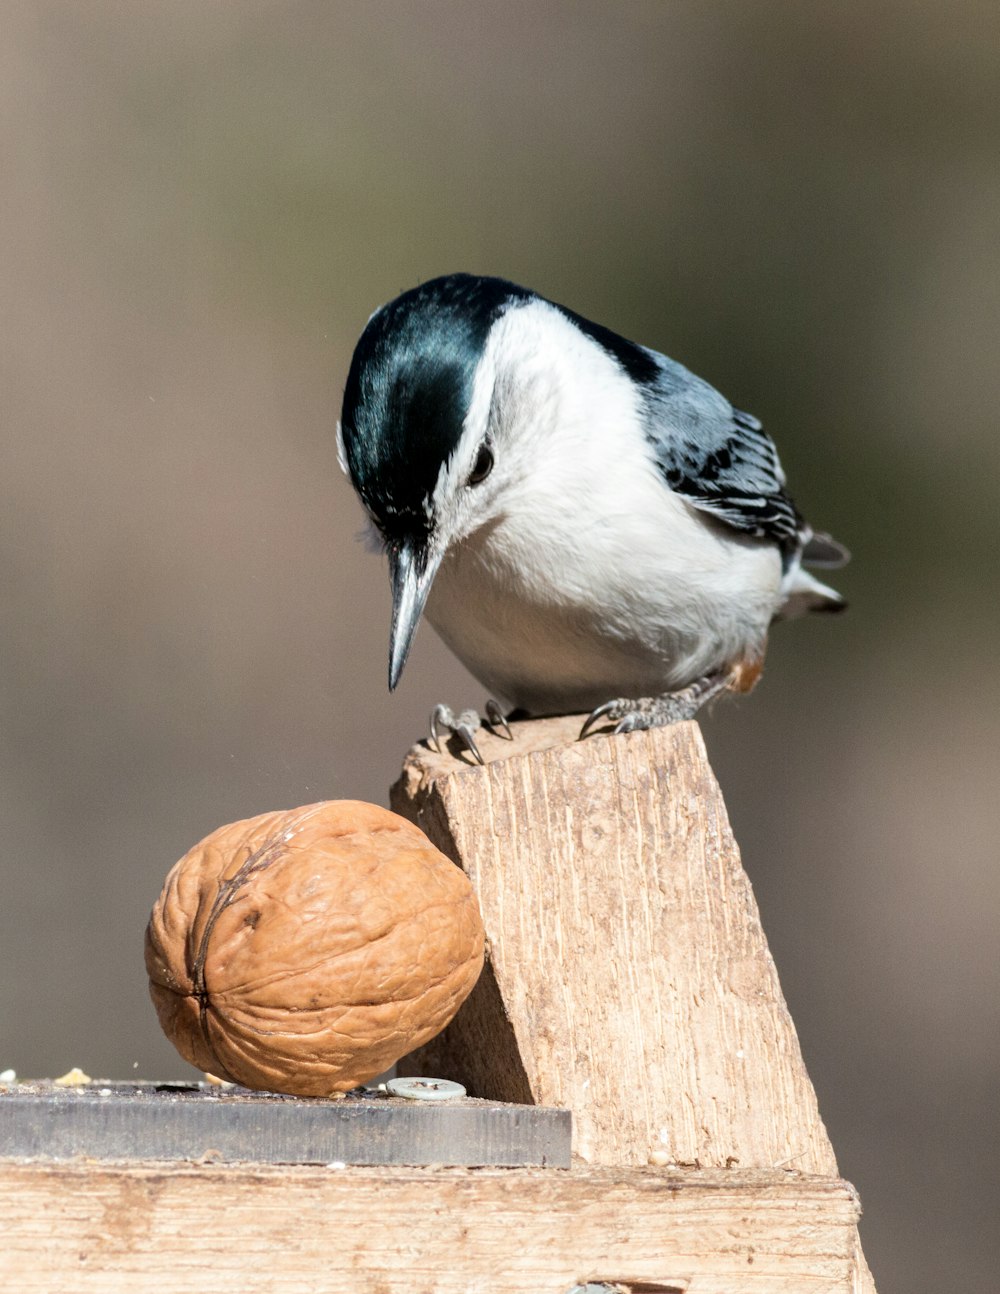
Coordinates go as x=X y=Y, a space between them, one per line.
x=464 y=725
x=495 y=718
x=658 y=711
x=605 y=711
x=461 y=726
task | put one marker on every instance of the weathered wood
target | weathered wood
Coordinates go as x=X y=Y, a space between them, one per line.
x=628 y=976
x=124 y=1229
x=635 y=980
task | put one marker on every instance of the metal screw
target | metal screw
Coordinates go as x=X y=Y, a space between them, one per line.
x=424 y=1089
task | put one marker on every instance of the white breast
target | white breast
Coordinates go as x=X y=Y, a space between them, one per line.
x=590 y=579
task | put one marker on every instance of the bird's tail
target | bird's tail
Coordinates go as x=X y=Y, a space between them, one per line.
x=803 y=592
x=824 y=551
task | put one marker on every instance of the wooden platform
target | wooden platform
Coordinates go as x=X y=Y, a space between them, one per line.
x=628 y=980
x=128 y=1229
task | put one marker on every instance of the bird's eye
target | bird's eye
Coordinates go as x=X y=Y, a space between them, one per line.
x=482 y=466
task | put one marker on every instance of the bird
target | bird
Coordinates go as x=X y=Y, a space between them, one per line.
x=588 y=526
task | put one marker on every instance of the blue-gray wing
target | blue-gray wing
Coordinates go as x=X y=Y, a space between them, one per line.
x=718 y=458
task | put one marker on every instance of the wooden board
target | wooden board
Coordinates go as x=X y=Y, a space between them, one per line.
x=629 y=978
x=129 y=1229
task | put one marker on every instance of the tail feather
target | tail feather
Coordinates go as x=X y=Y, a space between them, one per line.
x=824 y=551
x=804 y=593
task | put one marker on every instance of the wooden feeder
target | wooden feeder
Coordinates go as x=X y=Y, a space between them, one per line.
x=628 y=981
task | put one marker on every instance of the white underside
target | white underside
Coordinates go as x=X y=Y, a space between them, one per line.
x=551 y=627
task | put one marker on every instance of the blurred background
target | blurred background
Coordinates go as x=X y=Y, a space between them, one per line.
x=201 y=206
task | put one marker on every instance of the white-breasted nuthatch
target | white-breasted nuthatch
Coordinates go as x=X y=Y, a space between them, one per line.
x=586 y=522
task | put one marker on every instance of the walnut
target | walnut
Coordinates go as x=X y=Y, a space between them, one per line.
x=305 y=951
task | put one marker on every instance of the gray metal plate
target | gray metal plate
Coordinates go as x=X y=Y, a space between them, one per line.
x=199 y=1121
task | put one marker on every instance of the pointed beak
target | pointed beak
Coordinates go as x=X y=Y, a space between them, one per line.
x=411 y=572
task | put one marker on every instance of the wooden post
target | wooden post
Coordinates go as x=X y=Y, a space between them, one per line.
x=628 y=976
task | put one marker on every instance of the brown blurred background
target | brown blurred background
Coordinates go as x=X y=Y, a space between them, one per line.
x=201 y=206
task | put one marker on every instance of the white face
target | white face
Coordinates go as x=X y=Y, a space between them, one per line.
x=539 y=389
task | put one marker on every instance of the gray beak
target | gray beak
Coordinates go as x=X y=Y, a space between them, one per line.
x=411 y=573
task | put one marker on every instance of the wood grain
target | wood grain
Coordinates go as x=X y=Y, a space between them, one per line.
x=128 y=1229
x=631 y=977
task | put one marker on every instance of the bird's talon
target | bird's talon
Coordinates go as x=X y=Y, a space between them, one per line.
x=440 y=715
x=496 y=719
x=659 y=711
x=603 y=711
x=445 y=723
x=464 y=734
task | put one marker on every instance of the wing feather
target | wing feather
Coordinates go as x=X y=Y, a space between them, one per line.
x=718 y=458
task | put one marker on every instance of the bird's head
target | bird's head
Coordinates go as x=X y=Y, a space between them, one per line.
x=415 y=435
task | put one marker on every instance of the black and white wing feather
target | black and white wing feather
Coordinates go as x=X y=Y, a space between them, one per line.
x=718 y=458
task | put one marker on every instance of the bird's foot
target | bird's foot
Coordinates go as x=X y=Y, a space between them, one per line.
x=658 y=711
x=464 y=725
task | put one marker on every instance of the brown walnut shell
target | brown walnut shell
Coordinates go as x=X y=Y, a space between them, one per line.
x=305 y=951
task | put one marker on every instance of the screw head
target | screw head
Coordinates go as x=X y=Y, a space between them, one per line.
x=424 y=1089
